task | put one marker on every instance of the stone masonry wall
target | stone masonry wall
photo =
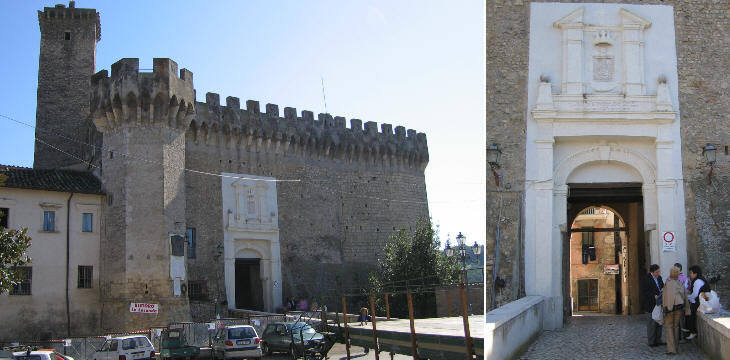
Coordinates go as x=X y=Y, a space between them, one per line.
x=334 y=221
x=703 y=44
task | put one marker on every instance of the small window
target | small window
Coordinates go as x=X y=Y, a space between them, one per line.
x=49 y=221
x=86 y=277
x=67 y=35
x=198 y=290
x=4 y=213
x=87 y=222
x=177 y=243
x=190 y=235
x=113 y=345
x=23 y=286
x=588 y=239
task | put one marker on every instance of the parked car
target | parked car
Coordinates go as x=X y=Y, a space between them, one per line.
x=174 y=344
x=135 y=347
x=290 y=337
x=236 y=341
x=43 y=354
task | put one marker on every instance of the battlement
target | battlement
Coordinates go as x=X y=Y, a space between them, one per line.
x=62 y=14
x=324 y=137
x=134 y=97
x=129 y=98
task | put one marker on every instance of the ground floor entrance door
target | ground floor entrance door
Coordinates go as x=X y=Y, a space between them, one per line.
x=249 y=289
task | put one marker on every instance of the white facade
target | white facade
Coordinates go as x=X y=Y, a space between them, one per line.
x=602 y=108
x=251 y=231
x=45 y=307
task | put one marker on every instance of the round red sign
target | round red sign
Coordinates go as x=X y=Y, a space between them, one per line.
x=668 y=237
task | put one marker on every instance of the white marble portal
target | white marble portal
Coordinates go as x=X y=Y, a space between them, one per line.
x=251 y=231
x=603 y=108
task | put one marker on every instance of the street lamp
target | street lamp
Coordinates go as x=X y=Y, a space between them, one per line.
x=476 y=249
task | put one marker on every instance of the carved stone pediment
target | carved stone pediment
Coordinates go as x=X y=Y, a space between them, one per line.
x=251 y=210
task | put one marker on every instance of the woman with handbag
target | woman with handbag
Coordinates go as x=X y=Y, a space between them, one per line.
x=675 y=304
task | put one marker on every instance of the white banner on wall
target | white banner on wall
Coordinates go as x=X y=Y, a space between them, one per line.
x=143 y=308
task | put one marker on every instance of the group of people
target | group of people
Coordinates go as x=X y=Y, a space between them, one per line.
x=293 y=305
x=679 y=299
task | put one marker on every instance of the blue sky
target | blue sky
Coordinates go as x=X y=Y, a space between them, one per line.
x=419 y=64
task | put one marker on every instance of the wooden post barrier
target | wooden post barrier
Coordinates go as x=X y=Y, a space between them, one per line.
x=324 y=320
x=344 y=320
x=375 y=330
x=387 y=306
x=465 y=316
x=414 y=345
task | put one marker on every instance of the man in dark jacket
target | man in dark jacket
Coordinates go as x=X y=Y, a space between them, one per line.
x=652 y=290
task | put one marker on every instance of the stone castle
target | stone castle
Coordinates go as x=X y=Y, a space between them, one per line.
x=571 y=100
x=266 y=204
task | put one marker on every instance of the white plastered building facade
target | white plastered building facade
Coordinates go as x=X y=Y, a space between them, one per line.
x=602 y=108
x=251 y=231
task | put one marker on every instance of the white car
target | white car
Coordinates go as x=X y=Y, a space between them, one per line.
x=40 y=355
x=236 y=341
x=134 y=347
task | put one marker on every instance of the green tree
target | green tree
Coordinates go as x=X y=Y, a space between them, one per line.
x=413 y=260
x=13 y=247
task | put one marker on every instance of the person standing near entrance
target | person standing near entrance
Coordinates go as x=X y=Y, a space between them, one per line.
x=674 y=303
x=652 y=289
x=699 y=286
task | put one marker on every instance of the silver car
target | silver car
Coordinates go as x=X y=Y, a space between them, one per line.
x=236 y=341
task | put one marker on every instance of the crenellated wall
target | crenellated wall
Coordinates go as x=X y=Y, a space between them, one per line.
x=325 y=138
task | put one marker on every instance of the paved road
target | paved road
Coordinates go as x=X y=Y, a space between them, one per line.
x=339 y=352
x=604 y=337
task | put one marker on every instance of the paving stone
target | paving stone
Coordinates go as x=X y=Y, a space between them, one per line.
x=604 y=337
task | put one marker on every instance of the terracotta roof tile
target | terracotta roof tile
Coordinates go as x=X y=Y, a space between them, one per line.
x=50 y=180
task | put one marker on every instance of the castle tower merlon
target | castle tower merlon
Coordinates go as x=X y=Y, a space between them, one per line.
x=290 y=113
x=272 y=111
x=254 y=111
x=356 y=126
x=387 y=129
x=308 y=118
x=125 y=68
x=400 y=132
x=371 y=128
x=326 y=120
x=233 y=103
x=340 y=122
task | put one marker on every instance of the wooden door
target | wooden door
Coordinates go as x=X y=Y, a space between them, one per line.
x=588 y=295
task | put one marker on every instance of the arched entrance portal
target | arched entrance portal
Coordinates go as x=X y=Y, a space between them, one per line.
x=605 y=249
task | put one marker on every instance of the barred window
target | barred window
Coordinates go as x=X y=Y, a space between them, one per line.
x=87 y=223
x=197 y=290
x=86 y=277
x=49 y=221
x=24 y=285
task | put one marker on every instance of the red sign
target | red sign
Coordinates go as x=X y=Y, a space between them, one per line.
x=668 y=237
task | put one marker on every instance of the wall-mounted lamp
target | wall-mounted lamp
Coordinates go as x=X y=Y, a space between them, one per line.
x=710 y=153
x=493 y=155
